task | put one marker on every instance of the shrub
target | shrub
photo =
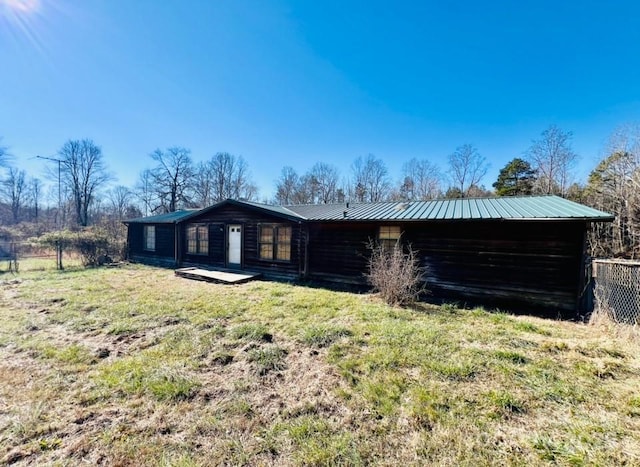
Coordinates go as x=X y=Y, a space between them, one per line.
x=90 y=244
x=395 y=273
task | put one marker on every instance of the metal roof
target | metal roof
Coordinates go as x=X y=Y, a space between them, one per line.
x=167 y=218
x=506 y=208
x=179 y=216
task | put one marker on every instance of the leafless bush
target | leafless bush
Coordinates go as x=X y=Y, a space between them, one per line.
x=395 y=273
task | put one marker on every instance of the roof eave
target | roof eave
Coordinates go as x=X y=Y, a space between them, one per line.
x=477 y=219
x=562 y=219
x=234 y=202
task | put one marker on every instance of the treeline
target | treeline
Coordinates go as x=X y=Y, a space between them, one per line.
x=81 y=190
x=546 y=168
x=614 y=186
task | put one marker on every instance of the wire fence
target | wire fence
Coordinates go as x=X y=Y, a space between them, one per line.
x=617 y=290
x=23 y=249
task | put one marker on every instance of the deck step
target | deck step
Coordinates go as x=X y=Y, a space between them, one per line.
x=222 y=277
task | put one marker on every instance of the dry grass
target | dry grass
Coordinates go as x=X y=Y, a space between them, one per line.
x=133 y=366
x=603 y=319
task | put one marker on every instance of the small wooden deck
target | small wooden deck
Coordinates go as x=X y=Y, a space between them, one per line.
x=222 y=277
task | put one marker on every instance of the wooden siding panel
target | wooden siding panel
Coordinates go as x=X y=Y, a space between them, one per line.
x=519 y=263
x=165 y=240
x=216 y=254
x=217 y=237
x=339 y=249
x=165 y=248
x=134 y=239
x=249 y=220
x=512 y=263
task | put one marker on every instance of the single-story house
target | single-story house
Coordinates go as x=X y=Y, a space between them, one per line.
x=510 y=252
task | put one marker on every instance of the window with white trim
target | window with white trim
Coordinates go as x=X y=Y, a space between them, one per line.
x=150 y=237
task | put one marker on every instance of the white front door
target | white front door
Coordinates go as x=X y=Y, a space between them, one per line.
x=235 y=241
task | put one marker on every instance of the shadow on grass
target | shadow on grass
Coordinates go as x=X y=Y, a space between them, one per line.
x=433 y=299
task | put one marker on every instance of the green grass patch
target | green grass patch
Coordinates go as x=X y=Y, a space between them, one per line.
x=132 y=365
x=268 y=359
x=554 y=347
x=454 y=371
x=323 y=336
x=73 y=354
x=251 y=332
x=320 y=444
x=123 y=328
x=510 y=356
x=506 y=402
x=384 y=395
x=145 y=375
x=526 y=326
x=428 y=407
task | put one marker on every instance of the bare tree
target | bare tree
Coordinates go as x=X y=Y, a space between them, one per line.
x=145 y=192
x=13 y=190
x=203 y=181
x=466 y=168
x=614 y=186
x=370 y=179
x=319 y=185
x=171 y=179
x=326 y=178
x=553 y=159
x=83 y=173
x=479 y=191
x=34 y=194
x=610 y=190
x=287 y=186
x=120 y=198
x=61 y=205
x=118 y=207
x=307 y=190
x=4 y=156
x=222 y=177
x=421 y=180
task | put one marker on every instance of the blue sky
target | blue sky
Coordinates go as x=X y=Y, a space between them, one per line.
x=296 y=82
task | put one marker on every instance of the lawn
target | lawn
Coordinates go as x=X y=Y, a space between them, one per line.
x=134 y=366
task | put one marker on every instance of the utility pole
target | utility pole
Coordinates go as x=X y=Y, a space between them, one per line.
x=59 y=214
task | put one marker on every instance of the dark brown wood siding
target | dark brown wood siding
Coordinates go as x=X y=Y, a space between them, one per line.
x=509 y=263
x=218 y=221
x=164 y=254
x=339 y=250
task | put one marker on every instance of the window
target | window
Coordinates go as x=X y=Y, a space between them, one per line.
x=389 y=235
x=275 y=242
x=197 y=239
x=150 y=237
x=283 y=243
x=266 y=242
